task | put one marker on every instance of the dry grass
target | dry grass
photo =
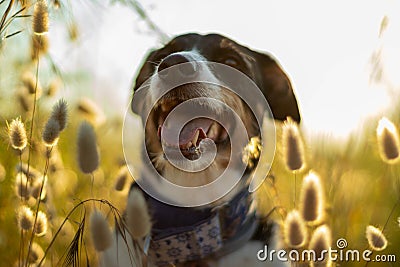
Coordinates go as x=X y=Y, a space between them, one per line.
x=360 y=189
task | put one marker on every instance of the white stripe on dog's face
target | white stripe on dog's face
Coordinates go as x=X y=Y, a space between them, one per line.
x=206 y=74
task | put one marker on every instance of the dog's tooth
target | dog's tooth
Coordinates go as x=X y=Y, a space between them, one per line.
x=195 y=137
x=213 y=131
x=189 y=145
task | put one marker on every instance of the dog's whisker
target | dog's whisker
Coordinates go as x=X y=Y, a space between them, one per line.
x=155 y=63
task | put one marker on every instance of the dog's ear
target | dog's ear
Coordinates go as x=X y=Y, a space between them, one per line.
x=276 y=87
x=146 y=70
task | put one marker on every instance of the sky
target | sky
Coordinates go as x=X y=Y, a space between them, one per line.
x=324 y=46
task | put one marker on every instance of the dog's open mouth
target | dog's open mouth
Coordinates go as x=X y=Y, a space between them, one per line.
x=191 y=134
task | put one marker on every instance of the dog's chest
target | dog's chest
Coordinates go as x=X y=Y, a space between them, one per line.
x=187 y=234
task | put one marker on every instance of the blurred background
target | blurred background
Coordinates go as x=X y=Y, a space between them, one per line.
x=332 y=50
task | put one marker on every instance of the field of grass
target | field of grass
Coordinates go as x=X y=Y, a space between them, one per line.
x=359 y=187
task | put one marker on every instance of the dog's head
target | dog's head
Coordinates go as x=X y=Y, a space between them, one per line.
x=194 y=50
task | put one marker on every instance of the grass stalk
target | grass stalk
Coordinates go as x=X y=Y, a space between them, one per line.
x=39 y=202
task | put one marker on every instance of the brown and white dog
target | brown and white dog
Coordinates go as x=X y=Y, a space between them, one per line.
x=237 y=233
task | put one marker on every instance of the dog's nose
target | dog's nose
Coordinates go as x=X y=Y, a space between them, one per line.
x=185 y=70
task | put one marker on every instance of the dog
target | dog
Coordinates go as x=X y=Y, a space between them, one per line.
x=237 y=232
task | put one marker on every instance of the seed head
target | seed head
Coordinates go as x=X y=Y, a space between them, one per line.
x=53 y=88
x=40 y=18
x=88 y=157
x=17 y=134
x=23 y=99
x=40 y=45
x=21 y=186
x=311 y=199
x=376 y=240
x=73 y=32
x=36 y=254
x=51 y=132
x=320 y=243
x=60 y=113
x=137 y=215
x=25 y=218
x=293 y=146
x=100 y=231
x=35 y=187
x=56 y=4
x=56 y=163
x=33 y=173
x=31 y=84
x=251 y=152
x=388 y=141
x=295 y=232
x=41 y=224
x=91 y=111
x=384 y=25
x=120 y=180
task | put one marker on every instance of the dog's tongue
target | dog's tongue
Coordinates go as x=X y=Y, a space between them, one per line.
x=187 y=134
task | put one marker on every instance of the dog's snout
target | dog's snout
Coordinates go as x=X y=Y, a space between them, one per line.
x=186 y=70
